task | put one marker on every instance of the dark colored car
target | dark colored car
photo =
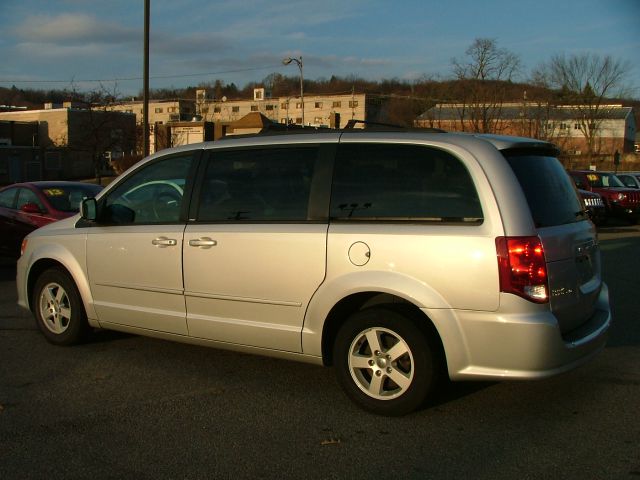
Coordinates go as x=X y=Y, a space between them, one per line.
x=630 y=179
x=620 y=201
x=595 y=206
x=27 y=206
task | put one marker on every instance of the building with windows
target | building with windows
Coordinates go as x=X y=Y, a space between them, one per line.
x=160 y=111
x=331 y=111
x=175 y=134
x=167 y=118
x=20 y=153
x=71 y=142
x=576 y=129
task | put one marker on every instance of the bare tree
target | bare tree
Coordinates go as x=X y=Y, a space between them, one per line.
x=485 y=73
x=585 y=82
x=102 y=130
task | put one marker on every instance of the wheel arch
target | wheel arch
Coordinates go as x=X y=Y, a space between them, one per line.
x=72 y=268
x=351 y=304
x=340 y=296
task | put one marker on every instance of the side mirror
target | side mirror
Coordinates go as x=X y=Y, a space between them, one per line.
x=89 y=209
x=30 y=208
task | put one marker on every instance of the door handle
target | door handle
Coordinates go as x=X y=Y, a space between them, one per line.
x=204 y=242
x=164 y=242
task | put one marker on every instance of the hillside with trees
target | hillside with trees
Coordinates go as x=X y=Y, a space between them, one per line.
x=483 y=79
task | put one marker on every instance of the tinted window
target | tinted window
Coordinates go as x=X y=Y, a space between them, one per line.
x=628 y=181
x=153 y=194
x=257 y=185
x=550 y=193
x=402 y=182
x=578 y=181
x=7 y=198
x=26 y=196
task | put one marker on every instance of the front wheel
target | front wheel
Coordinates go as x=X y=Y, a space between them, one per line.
x=384 y=362
x=58 y=308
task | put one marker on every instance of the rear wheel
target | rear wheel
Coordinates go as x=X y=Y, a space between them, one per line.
x=58 y=308
x=384 y=362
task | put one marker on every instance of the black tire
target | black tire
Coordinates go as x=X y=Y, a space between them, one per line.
x=58 y=308
x=367 y=374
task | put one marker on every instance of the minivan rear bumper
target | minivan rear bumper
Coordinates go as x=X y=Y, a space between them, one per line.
x=523 y=345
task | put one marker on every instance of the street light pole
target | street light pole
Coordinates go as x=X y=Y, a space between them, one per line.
x=298 y=61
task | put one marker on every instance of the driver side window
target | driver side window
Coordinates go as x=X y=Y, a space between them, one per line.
x=151 y=195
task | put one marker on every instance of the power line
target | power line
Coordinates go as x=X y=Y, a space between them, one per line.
x=127 y=79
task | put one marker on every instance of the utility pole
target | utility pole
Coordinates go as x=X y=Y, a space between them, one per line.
x=145 y=108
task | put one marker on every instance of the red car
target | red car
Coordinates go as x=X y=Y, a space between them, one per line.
x=27 y=206
x=620 y=201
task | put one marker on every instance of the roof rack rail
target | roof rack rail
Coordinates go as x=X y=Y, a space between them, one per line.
x=277 y=129
x=351 y=124
x=369 y=125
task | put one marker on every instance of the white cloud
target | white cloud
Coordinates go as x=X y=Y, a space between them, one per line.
x=191 y=44
x=75 y=29
x=44 y=51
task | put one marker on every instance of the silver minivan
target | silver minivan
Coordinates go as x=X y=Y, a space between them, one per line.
x=397 y=257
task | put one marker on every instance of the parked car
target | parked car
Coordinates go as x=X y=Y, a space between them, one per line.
x=395 y=256
x=620 y=201
x=595 y=206
x=630 y=179
x=27 y=206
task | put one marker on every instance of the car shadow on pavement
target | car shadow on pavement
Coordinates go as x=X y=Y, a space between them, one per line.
x=617 y=225
x=621 y=264
x=7 y=270
x=107 y=336
x=448 y=391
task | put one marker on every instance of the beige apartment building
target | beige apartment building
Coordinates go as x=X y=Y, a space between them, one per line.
x=75 y=142
x=161 y=114
x=213 y=118
x=160 y=111
x=331 y=111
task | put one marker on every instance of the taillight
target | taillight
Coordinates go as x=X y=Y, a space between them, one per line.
x=522 y=268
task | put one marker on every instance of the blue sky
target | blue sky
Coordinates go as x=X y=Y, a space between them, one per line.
x=53 y=44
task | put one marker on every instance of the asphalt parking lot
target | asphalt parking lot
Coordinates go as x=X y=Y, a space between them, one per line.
x=131 y=407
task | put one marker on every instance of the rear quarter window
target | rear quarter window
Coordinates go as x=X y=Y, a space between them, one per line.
x=552 y=198
x=402 y=183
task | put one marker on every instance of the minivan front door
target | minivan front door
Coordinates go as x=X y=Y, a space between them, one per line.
x=134 y=253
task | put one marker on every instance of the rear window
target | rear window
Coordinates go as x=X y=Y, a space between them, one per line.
x=604 y=180
x=552 y=198
x=67 y=198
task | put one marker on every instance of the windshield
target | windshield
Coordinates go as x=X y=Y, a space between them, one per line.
x=67 y=198
x=552 y=197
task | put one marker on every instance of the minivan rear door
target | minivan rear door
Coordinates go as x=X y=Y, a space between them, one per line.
x=253 y=252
